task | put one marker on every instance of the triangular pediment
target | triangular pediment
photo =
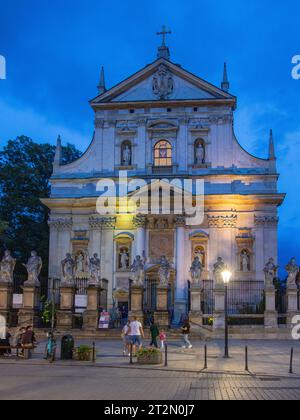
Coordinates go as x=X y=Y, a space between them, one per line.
x=162 y=81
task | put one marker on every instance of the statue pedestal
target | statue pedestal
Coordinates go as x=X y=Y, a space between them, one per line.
x=6 y=293
x=161 y=315
x=271 y=315
x=292 y=304
x=91 y=315
x=196 y=312
x=137 y=293
x=219 y=312
x=66 y=310
x=28 y=315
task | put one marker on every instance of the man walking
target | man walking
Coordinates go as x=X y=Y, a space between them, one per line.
x=154 y=334
x=136 y=333
x=186 y=328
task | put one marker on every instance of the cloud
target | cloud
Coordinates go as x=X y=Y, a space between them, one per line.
x=17 y=120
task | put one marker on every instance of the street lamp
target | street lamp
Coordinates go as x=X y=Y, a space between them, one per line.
x=226 y=274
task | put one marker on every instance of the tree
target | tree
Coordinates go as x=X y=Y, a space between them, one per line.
x=25 y=171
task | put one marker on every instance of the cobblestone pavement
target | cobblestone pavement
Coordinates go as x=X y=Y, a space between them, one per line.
x=52 y=382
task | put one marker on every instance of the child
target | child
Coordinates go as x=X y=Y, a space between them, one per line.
x=162 y=337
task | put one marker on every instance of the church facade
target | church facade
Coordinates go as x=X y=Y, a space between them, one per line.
x=165 y=123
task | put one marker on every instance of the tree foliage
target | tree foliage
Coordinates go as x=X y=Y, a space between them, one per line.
x=25 y=171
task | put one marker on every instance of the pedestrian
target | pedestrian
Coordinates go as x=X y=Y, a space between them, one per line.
x=5 y=342
x=136 y=333
x=162 y=338
x=17 y=339
x=154 y=334
x=186 y=328
x=126 y=339
x=50 y=347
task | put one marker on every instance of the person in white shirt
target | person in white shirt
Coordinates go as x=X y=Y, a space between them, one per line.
x=136 y=333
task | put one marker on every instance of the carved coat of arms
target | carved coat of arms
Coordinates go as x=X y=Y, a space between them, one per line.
x=163 y=84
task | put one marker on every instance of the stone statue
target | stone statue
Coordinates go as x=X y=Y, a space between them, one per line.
x=245 y=262
x=68 y=265
x=219 y=267
x=293 y=271
x=95 y=269
x=200 y=154
x=34 y=267
x=126 y=155
x=7 y=267
x=270 y=271
x=196 y=271
x=82 y=264
x=164 y=272
x=138 y=271
x=124 y=260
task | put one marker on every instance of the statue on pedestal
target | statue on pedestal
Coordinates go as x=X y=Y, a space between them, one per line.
x=124 y=260
x=138 y=271
x=126 y=156
x=196 y=271
x=164 y=272
x=95 y=270
x=219 y=267
x=7 y=267
x=34 y=267
x=68 y=265
x=245 y=262
x=293 y=271
x=200 y=154
x=270 y=271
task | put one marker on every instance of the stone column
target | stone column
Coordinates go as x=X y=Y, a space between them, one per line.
x=271 y=315
x=181 y=276
x=292 y=304
x=219 y=313
x=91 y=315
x=161 y=315
x=196 y=316
x=28 y=315
x=139 y=223
x=6 y=293
x=66 y=310
x=137 y=303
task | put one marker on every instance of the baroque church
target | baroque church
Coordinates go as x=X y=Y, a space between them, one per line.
x=164 y=122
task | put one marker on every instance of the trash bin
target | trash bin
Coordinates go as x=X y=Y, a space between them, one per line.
x=67 y=346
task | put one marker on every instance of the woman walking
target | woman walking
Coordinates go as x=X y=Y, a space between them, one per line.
x=154 y=334
x=126 y=339
x=186 y=328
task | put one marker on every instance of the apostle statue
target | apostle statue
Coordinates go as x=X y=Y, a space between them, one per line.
x=270 y=271
x=7 y=267
x=82 y=264
x=95 y=270
x=196 y=271
x=138 y=271
x=245 y=262
x=126 y=158
x=293 y=271
x=124 y=260
x=164 y=272
x=219 y=267
x=68 y=265
x=200 y=154
x=34 y=267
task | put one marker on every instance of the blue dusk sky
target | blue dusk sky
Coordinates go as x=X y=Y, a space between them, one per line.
x=55 y=48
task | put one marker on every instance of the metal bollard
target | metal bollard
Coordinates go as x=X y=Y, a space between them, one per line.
x=131 y=354
x=291 y=362
x=205 y=356
x=246 y=359
x=166 y=355
x=94 y=351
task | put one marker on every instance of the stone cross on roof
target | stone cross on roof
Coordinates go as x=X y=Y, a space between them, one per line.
x=164 y=32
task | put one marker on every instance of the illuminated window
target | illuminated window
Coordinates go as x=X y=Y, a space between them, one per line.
x=163 y=154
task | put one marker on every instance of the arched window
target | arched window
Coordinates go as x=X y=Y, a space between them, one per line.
x=200 y=152
x=163 y=154
x=126 y=153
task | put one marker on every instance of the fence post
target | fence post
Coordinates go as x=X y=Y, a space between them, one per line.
x=291 y=361
x=246 y=359
x=205 y=356
x=166 y=355
x=94 y=351
x=131 y=351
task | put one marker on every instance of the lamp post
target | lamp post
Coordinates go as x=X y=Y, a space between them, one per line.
x=226 y=278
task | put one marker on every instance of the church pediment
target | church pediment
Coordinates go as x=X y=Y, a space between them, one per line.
x=162 y=81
